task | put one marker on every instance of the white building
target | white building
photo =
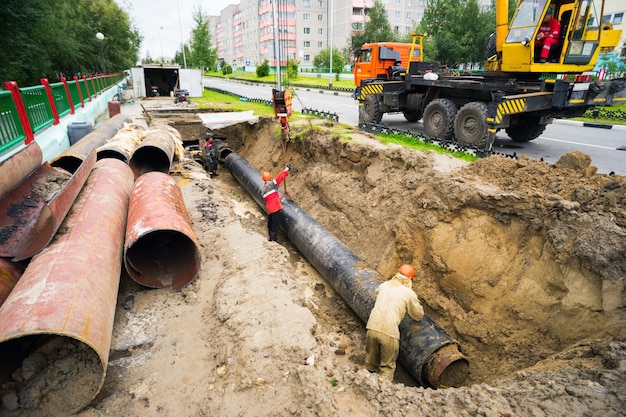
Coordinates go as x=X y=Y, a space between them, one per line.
x=244 y=32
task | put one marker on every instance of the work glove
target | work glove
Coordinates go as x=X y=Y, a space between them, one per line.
x=288 y=167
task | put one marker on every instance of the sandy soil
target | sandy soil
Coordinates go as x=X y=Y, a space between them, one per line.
x=522 y=262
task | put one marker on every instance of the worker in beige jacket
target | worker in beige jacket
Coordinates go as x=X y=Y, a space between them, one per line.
x=394 y=298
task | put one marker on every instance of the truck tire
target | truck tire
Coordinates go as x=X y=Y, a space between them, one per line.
x=412 y=115
x=470 y=124
x=371 y=111
x=525 y=130
x=439 y=118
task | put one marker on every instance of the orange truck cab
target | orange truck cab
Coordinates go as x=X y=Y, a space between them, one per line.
x=383 y=59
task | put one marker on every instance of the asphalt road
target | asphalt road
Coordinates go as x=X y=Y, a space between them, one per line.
x=601 y=144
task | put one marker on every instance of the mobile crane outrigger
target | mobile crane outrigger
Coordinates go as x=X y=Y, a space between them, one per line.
x=511 y=94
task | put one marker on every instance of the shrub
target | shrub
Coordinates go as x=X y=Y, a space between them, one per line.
x=263 y=70
x=292 y=69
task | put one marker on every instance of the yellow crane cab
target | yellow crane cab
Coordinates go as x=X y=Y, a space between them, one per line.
x=582 y=36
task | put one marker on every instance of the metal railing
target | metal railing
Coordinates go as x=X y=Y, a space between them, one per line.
x=26 y=111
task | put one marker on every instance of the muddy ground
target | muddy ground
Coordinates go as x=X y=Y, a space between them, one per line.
x=523 y=263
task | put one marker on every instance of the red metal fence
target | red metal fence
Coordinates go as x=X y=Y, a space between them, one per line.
x=26 y=111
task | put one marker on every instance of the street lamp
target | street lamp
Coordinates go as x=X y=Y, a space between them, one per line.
x=100 y=37
x=161 y=42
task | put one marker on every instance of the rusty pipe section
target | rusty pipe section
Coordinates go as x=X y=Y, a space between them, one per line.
x=10 y=273
x=33 y=211
x=161 y=249
x=61 y=311
x=19 y=166
x=155 y=153
x=426 y=350
x=71 y=159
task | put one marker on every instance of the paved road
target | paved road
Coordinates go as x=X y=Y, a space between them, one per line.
x=559 y=138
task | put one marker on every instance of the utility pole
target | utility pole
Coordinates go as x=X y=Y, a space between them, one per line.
x=182 y=42
x=100 y=37
x=276 y=46
x=330 y=81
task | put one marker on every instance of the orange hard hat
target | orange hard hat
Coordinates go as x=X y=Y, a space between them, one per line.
x=266 y=176
x=407 y=270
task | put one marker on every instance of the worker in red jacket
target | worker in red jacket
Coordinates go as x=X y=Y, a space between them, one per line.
x=548 y=34
x=272 y=201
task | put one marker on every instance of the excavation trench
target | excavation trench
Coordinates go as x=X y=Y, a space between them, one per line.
x=517 y=260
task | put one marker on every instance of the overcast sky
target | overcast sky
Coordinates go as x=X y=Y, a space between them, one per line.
x=158 y=21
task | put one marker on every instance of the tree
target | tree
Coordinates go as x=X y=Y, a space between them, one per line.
x=322 y=60
x=202 y=55
x=50 y=39
x=377 y=29
x=179 y=58
x=457 y=31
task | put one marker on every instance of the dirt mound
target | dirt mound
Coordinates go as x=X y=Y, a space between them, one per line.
x=518 y=259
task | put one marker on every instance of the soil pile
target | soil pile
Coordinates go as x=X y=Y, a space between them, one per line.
x=522 y=262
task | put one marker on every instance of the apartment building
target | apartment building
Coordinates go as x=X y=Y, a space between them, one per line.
x=614 y=14
x=243 y=33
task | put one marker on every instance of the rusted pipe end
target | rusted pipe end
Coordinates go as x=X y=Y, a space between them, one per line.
x=161 y=248
x=74 y=157
x=447 y=368
x=19 y=166
x=112 y=153
x=156 y=153
x=163 y=258
x=48 y=389
x=148 y=159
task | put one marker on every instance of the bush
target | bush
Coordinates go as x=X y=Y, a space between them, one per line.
x=263 y=70
x=292 y=69
x=227 y=69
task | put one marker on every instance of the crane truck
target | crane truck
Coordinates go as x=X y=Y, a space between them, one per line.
x=512 y=93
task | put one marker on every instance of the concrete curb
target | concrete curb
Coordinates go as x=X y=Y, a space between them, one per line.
x=588 y=124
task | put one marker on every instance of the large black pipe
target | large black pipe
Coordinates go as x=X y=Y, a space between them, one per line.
x=426 y=350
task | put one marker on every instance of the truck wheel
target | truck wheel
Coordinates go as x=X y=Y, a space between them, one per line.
x=439 y=118
x=412 y=115
x=371 y=111
x=525 y=130
x=470 y=124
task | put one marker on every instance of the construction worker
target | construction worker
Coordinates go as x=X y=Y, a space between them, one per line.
x=394 y=299
x=548 y=34
x=272 y=201
x=210 y=157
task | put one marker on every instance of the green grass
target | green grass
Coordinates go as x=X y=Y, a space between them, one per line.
x=226 y=102
x=621 y=107
x=307 y=80
x=410 y=142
